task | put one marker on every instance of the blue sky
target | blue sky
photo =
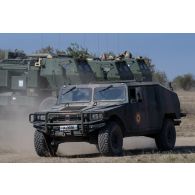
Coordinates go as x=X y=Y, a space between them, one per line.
x=172 y=53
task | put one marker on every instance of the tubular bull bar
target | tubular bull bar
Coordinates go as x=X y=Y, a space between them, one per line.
x=67 y=120
x=49 y=116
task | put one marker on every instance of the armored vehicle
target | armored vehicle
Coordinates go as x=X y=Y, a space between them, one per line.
x=103 y=114
x=140 y=69
x=35 y=79
x=122 y=67
x=111 y=70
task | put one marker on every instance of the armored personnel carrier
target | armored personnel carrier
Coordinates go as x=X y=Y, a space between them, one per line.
x=104 y=114
x=34 y=79
x=122 y=67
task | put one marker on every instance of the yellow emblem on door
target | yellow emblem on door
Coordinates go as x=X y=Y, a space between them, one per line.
x=138 y=118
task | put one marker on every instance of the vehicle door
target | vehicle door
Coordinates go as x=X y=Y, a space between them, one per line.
x=136 y=109
x=152 y=107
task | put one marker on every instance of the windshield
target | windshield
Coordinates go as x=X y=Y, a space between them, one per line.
x=75 y=94
x=109 y=93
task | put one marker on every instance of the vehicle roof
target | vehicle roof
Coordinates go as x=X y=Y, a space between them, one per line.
x=128 y=83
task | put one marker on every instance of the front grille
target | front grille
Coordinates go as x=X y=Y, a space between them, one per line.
x=65 y=118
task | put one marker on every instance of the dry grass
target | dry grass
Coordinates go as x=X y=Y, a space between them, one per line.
x=187 y=100
x=186 y=155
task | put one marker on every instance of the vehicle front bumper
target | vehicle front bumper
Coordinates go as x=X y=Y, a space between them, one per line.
x=81 y=127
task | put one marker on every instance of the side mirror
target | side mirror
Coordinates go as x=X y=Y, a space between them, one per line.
x=170 y=86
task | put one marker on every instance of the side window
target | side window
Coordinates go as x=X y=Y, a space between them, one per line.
x=135 y=95
x=132 y=95
x=139 y=97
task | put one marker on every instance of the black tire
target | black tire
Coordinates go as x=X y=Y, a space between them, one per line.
x=97 y=147
x=110 y=140
x=166 y=139
x=43 y=145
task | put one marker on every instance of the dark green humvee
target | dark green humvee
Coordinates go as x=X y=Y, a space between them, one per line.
x=103 y=114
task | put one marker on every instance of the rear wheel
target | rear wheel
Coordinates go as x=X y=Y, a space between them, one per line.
x=166 y=139
x=43 y=145
x=110 y=140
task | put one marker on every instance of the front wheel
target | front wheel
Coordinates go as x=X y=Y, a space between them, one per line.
x=43 y=146
x=166 y=139
x=110 y=140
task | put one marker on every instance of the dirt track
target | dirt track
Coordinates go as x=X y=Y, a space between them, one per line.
x=135 y=150
x=16 y=145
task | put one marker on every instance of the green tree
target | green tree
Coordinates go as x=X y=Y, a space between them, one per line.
x=47 y=49
x=150 y=64
x=75 y=50
x=160 y=77
x=184 y=82
x=157 y=75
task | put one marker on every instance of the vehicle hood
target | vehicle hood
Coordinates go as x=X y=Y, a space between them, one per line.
x=62 y=108
x=100 y=108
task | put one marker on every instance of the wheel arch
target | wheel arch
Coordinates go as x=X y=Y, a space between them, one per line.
x=117 y=119
x=170 y=116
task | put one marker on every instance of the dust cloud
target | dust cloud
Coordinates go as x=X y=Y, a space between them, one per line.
x=16 y=133
x=17 y=137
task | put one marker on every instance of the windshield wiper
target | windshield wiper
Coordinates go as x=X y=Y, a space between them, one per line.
x=106 y=88
x=71 y=89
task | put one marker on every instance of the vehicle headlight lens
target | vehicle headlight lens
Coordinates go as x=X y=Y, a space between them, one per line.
x=97 y=116
x=41 y=117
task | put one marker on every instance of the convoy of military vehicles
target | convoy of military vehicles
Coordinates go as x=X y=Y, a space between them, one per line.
x=29 y=80
x=96 y=100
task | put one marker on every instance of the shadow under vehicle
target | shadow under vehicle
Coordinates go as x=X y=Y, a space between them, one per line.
x=103 y=114
x=31 y=81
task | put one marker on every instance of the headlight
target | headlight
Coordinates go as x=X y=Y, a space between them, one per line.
x=41 y=117
x=96 y=116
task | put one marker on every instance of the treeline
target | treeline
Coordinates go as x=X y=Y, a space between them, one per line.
x=74 y=50
x=185 y=82
x=2 y=54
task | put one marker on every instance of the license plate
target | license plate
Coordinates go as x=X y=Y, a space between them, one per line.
x=68 y=127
